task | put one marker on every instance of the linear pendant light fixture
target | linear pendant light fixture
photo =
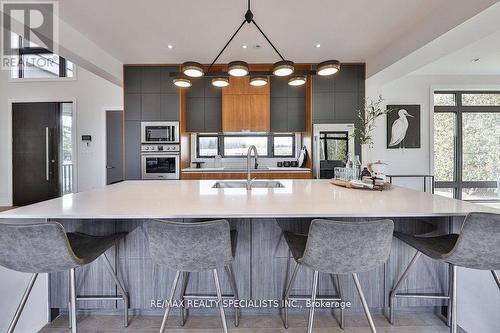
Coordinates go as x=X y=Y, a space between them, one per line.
x=281 y=68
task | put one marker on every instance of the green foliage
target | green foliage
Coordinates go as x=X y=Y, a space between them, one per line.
x=366 y=117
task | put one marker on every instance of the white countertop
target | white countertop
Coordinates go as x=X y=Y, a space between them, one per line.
x=238 y=170
x=197 y=198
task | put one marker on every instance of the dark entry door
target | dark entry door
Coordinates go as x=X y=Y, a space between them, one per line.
x=35 y=152
x=114 y=147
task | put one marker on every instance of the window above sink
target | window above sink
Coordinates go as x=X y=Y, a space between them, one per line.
x=269 y=145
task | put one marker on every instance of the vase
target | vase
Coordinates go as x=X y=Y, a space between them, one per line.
x=365 y=154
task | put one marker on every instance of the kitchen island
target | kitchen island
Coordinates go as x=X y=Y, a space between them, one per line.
x=262 y=259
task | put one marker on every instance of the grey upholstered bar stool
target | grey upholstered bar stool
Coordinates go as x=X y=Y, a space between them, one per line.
x=194 y=247
x=47 y=248
x=477 y=246
x=339 y=248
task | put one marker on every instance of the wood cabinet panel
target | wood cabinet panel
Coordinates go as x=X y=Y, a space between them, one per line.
x=245 y=107
x=243 y=175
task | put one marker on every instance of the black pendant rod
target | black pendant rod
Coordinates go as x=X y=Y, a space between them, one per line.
x=270 y=43
x=225 y=46
x=248 y=19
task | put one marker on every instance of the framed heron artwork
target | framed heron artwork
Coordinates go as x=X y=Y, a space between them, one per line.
x=403 y=126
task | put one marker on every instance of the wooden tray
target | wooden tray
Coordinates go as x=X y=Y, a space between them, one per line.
x=346 y=184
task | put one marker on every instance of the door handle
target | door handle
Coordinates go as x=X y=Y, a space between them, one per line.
x=47 y=165
x=109 y=167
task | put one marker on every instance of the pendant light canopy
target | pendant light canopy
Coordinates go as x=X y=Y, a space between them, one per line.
x=220 y=82
x=238 y=68
x=241 y=68
x=182 y=82
x=192 y=69
x=258 y=81
x=283 y=68
x=328 y=67
x=297 y=80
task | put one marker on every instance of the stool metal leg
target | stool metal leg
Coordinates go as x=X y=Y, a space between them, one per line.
x=363 y=302
x=69 y=300
x=232 y=283
x=72 y=310
x=120 y=287
x=21 y=305
x=497 y=280
x=219 y=298
x=454 y=301
x=398 y=285
x=170 y=299
x=182 y=308
x=288 y=290
x=338 y=286
x=313 y=301
x=450 y=290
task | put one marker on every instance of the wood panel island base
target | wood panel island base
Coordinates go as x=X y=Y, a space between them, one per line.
x=262 y=261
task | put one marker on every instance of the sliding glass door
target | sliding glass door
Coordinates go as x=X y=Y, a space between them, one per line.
x=467 y=144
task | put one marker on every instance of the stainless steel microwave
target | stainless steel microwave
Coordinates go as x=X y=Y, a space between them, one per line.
x=160 y=132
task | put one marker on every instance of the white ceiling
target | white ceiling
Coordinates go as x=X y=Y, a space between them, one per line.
x=350 y=31
x=461 y=62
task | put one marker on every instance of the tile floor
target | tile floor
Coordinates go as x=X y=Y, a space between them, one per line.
x=405 y=323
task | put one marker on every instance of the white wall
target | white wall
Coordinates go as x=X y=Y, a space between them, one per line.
x=478 y=295
x=91 y=94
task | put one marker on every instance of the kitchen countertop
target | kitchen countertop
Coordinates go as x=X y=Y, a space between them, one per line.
x=197 y=198
x=238 y=170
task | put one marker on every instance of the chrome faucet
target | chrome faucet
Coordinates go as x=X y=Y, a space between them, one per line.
x=249 y=172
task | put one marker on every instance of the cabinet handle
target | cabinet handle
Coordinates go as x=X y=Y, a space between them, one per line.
x=47 y=165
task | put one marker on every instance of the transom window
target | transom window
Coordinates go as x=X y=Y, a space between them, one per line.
x=467 y=144
x=31 y=61
x=235 y=145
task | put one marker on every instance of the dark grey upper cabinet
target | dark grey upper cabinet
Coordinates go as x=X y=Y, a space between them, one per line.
x=170 y=107
x=345 y=105
x=151 y=80
x=166 y=84
x=195 y=110
x=132 y=106
x=150 y=106
x=204 y=107
x=288 y=107
x=279 y=114
x=337 y=98
x=150 y=94
x=132 y=79
x=213 y=114
x=296 y=114
x=197 y=89
x=279 y=87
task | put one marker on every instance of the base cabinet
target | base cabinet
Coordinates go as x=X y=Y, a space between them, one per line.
x=243 y=175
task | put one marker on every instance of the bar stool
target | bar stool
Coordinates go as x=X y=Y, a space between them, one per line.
x=477 y=247
x=194 y=247
x=339 y=248
x=47 y=248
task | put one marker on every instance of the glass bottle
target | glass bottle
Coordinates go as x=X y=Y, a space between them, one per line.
x=357 y=167
x=349 y=167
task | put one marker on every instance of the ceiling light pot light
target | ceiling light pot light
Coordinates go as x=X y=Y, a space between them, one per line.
x=238 y=68
x=258 y=81
x=220 y=82
x=328 y=67
x=192 y=69
x=283 y=68
x=297 y=81
x=182 y=82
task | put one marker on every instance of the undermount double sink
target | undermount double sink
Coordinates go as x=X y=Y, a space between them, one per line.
x=243 y=184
